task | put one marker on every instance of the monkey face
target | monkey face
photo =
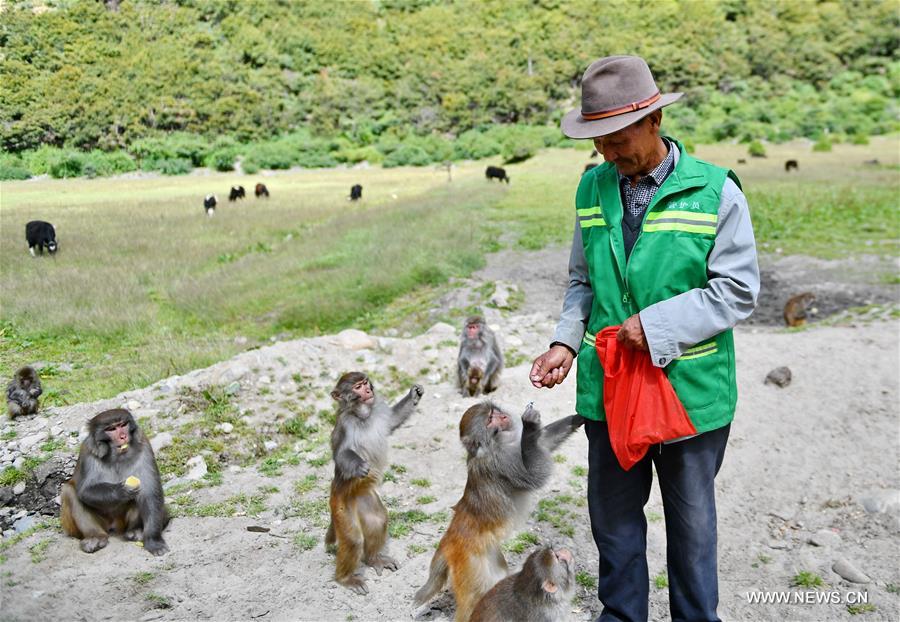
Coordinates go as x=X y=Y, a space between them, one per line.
x=555 y=568
x=112 y=429
x=118 y=434
x=364 y=391
x=472 y=331
x=498 y=421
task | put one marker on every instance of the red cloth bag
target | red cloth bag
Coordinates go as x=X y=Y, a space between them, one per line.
x=641 y=406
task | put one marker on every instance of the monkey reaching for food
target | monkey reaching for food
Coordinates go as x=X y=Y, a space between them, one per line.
x=480 y=360
x=22 y=392
x=538 y=593
x=115 y=487
x=359 y=448
x=508 y=460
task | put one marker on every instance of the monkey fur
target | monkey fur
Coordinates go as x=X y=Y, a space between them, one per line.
x=508 y=459
x=540 y=592
x=795 y=308
x=22 y=392
x=359 y=447
x=115 y=487
x=480 y=359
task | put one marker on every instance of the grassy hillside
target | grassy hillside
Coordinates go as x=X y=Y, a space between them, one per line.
x=145 y=286
x=104 y=75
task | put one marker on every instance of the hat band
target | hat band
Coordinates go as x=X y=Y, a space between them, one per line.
x=593 y=116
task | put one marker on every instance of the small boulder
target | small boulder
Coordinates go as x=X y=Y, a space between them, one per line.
x=196 y=468
x=353 y=339
x=849 y=572
x=780 y=376
x=161 y=441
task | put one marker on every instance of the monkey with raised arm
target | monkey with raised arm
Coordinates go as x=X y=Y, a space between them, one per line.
x=508 y=460
x=540 y=592
x=480 y=360
x=359 y=446
x=22 y=392
x=115 y=487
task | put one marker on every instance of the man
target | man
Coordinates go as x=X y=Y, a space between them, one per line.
x=663 y=245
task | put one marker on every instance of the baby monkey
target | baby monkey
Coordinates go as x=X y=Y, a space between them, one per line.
x=540 y=592
x=359 y=445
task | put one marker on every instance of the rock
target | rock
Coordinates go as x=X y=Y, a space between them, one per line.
x=779 y=545
x=264 y=380
x=233 y=372
x=27 y=443
x=881 y=501
x=502 y=292
x=233 y=468
x=56 y=430
x=233 y=389
x=161 y=441
x=226 y=427
x=270 y=445
x=196 y=468
x=65 y=367
x=24 y=524
x=19 y=488
x=132 y=405
x=353 y=339
x=825 y=537
x=240 y=340
x=442 y=328
x=849 y=572
x=41 y=422
x=6 y=495
x=19 y=462
x=780 y=376
x=513 y=341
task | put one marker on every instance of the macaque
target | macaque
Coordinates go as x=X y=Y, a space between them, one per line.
x=480 y=360
x=359 y=446
x=540 y=592
x=508 y=460
x=22 y=392
x=796 y=307
x=115 y=487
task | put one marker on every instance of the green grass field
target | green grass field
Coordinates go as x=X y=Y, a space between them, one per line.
x=145 y=286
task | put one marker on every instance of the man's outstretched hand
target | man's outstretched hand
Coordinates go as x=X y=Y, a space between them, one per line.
x=551 y=367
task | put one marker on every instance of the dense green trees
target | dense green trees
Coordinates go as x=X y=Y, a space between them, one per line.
x=369 y=73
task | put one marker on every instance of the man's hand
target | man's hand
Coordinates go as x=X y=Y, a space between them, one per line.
x=632 y=333
x=551 y=367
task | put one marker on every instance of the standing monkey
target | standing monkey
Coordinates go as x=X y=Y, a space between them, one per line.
x=480 y=360
x=359 y=448
x=22 y=392
x=538 y=593
x=508 y=460
x=115 y=486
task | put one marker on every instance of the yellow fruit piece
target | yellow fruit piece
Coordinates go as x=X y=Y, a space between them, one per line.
x=132 y=482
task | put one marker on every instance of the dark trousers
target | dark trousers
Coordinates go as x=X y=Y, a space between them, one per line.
x=616 y=500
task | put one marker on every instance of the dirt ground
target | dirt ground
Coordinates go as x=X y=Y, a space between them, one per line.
x=810 y=481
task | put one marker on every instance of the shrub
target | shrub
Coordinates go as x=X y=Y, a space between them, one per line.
x=99 y=163
x=756 y=149
x=369 y=154
x=823 y=144
x=176 y=146
x=474 y=145
x=274 y=155
x=316 y=159
x=249 y=166
x=407 y=155
x=66 y=164
x=10 y=171
x=221 y=160
x=169 y=166
x=859 y=139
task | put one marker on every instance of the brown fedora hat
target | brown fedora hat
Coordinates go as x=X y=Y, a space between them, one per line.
x=616 y=91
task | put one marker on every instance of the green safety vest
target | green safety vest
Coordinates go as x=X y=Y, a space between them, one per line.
x=668 y=258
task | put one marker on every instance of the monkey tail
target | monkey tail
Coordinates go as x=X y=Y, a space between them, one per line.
x=437 y=577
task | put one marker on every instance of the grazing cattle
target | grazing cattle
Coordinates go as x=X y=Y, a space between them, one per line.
x=237 y=192
x=495 y=172
x=791 y=165
x=209 y=204
x=261 y=191
x=742 y=161
x=355 y=192
x=589 y=166
x=40 y=235
x=872 y=162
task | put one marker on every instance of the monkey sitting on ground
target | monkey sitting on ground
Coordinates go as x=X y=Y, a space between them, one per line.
x=480 y=360
x=359 y=448
x=508 y=460
x=115 y=487
x=540 y=592
x=22 y=392
x=795 y=308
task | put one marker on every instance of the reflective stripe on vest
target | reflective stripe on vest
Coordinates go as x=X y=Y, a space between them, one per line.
x=590 y=217
x=678 y=220
x=698 y=351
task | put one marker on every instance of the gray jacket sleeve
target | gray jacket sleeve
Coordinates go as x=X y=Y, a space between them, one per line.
x=674 y=325
x=579 y=297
